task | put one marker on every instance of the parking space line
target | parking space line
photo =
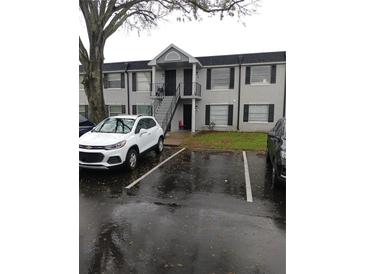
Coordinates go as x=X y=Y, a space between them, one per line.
x=247 y=178
x=153 y=169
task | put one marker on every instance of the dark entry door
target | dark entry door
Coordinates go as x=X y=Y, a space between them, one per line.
x=170 y=82
x=187 y=116
x=188 y=78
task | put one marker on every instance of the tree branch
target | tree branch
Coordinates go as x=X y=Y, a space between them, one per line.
x=83 y=55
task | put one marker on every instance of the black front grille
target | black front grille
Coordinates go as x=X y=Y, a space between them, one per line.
x=91 y=147
x=87 y=157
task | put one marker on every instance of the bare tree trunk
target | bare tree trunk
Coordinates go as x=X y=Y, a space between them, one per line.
x=94 y=92
x=93 y=80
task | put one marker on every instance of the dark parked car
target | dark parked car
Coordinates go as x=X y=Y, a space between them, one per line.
x=84 y=125
x=276 y=151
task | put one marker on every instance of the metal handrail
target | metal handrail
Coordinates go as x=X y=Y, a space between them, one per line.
x=158 y=96
x=159 y=90
x=189 y=91
x=168 y=116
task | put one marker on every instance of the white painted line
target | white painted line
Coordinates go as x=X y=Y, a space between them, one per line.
x=153 y=169
x=247 y=178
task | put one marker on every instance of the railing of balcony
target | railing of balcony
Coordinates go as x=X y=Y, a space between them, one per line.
x=188 y=89
x=198 y=89
x=159 y=90
x=168 y=116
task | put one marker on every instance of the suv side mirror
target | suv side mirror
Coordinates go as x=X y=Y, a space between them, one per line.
x=142 y=131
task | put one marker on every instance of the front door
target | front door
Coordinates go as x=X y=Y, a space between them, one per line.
x=170 y=82
x=187 y=116
x=188 y=78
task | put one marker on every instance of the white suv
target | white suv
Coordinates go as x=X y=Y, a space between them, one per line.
x=118 y=140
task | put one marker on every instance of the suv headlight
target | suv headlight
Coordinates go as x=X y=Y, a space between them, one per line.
x=116 y=146
x=283 y=154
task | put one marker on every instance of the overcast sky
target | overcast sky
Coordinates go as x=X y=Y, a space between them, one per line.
x=264 y=31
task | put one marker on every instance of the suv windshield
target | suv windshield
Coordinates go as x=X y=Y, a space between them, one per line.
x=115 y=125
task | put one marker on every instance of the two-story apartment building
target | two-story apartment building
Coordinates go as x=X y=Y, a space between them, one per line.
x=244 y=92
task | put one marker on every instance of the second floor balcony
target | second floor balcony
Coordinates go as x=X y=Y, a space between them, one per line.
x=186 y=90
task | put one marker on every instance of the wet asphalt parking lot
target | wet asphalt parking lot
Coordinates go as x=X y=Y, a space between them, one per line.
x=190 y=215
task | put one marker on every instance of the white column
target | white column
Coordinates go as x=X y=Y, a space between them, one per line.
x=193 y=100
x=153 y=80
x=194 y=79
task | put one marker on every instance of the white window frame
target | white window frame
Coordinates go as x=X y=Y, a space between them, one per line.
x=149 y=82
x=120 y=79
x=258 y=104
x=81 y=86
x=110 y=112
x=84 y=113
x=212 y=88
x=260 y=83
x=223 y=104
x=144 y=105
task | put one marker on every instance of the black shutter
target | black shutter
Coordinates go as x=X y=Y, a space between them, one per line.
x=122 y=80
x=151 y=82
x=248 y=75
x=134 y=109
x=209 y=78
x=273 y=74
x=207 y=114
x=245 y=113
x=123 y=109
x=105 y=80
x=231 y=79
x=271 y=113
x=134 y=81
x=230 y=115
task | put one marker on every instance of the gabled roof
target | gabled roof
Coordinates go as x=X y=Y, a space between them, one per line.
x=192 y=59
x=217 y=60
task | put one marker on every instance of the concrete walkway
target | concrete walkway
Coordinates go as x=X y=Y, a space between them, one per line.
x=176 y=138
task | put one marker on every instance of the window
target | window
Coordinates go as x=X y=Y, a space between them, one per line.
x=144 y=109
x=116 y=110
x=172 y=56
x=115 y=125
x=143 y=123
x=81 y=78
x=151 y=123
x=260 y=75
x=220 y=78
x=258 y=113
x=143 y=80
x=113 y=80
x=83 y=110
x=219 y=114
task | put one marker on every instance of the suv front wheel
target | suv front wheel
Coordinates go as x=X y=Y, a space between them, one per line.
x=132 y=159
x=159 y=146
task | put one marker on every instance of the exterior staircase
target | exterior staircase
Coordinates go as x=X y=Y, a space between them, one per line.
x=164 y=109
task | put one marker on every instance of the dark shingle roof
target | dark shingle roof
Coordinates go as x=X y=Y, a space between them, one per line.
x=122 y=66
x=250 y=58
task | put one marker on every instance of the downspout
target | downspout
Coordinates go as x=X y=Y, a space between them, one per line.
x=284 y=92
x=128 y=103
x=239 y=91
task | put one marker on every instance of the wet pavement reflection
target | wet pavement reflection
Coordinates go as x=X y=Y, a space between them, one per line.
x=189 y=216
